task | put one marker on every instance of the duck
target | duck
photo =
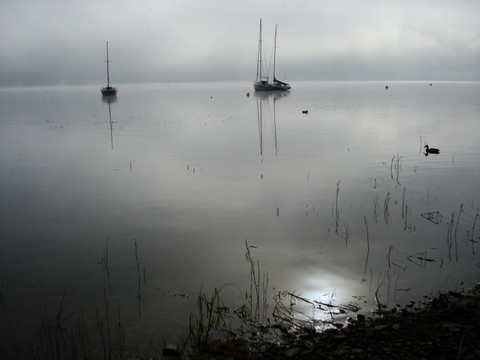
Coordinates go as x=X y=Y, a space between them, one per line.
x=429 y=150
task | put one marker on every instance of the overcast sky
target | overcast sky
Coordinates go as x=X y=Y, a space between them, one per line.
x=63 y=42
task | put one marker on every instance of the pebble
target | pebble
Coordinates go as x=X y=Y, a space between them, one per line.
x=292 y=352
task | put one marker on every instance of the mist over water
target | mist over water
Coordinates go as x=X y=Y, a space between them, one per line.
x=141 y=200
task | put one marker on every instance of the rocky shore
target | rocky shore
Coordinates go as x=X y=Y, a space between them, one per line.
x=448 y=327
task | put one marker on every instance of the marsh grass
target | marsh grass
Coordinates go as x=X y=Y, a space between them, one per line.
x=452 y=234
x=213 y=317
x=214 y=325
x=67 y=334
x=258 y=295
x=55 y=338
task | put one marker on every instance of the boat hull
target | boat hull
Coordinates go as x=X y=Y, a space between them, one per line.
x=264 y=86
x=109 y=91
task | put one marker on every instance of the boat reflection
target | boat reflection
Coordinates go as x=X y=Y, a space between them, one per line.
x=263 y=101
x=110 y=99
x=271 y=94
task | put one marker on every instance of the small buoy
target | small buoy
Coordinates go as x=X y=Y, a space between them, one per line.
x=248 y=94
x=430 y=84
x=386 y=87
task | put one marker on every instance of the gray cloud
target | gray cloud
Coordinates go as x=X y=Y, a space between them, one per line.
x=49 y=42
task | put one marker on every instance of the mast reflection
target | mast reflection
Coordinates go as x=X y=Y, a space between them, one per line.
x=110 y=100
x=263 y=100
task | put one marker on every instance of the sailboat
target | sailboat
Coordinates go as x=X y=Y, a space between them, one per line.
x=108 y=90
x=262 y=82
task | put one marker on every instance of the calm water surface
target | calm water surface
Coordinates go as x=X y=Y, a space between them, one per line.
x=181 y=176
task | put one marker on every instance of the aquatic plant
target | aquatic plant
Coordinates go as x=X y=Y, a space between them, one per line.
x=211 y=315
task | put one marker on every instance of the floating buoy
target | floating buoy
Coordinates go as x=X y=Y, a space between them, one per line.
x=386 y=87
x=248 y=94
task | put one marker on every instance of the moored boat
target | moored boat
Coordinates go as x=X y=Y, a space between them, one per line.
x=108 y=90
x=262 y=82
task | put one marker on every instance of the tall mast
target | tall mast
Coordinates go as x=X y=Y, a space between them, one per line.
x=275 y=53
x=108 y=69
x=259 y=59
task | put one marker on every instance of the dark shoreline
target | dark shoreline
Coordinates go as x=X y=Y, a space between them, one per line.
x=447 y=327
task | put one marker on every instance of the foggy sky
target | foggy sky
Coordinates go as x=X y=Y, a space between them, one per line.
x=63 y=42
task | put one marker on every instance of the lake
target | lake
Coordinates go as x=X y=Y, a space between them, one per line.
x=119 y=211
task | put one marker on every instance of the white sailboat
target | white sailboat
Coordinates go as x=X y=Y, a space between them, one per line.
x=108 y=90
x=262 y=82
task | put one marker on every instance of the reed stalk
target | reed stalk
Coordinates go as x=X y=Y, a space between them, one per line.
x=139 y=281
x=375 y=206
x=337 y=212
x=386 y=214
x=101 y=334
x=107 y=314
x=472 y=237
x=368 y=250
x=456 y=227
x=405 y=223
x=389 y=256
x=450 y=236
x=120 y=334
x=105 y=265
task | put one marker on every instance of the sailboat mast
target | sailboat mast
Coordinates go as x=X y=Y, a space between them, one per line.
x=108 y=69
x=108 y=90
x=275 y=53
x=259 y=54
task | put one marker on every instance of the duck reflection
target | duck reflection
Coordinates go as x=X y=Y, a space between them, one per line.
x=263 y=100
x=110 y=100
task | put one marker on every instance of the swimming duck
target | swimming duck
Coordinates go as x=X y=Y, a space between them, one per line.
x=429 y=150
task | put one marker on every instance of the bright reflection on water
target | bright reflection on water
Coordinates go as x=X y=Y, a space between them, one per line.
x=189 y=172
